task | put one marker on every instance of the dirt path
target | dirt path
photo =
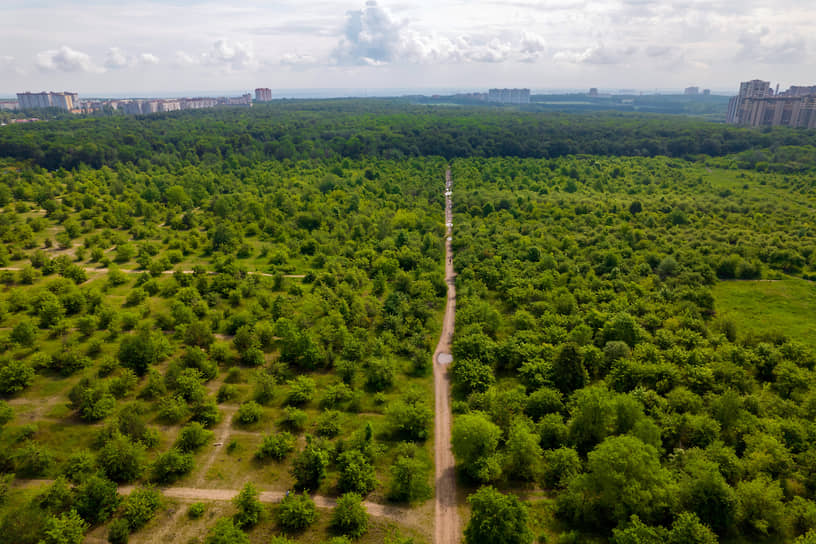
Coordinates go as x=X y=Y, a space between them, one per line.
x=446 y=526
x=192 y=494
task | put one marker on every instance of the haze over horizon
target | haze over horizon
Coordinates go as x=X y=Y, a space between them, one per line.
x=102 y=47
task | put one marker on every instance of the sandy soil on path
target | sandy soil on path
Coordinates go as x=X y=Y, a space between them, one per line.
x=446 y=526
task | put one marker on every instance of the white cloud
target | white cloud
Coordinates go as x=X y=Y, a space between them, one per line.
x=116 y=59
x=296 y=59
x=598 y=54
x=147 y=58
x=65 y=59
x=760 y=45
x=231 y=55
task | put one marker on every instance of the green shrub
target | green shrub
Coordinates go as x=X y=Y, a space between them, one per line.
x=296 y=512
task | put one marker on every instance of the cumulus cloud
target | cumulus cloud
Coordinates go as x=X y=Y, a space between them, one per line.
x=231 y=55
x=65 y=59
x=147 y=58
x=760 y=45
x=596 y=55
x=373 y=36
x=116 y=59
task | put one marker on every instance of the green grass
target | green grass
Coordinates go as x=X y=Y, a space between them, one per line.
x=761 y=307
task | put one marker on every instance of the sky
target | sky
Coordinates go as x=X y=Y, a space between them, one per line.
x=150 y=48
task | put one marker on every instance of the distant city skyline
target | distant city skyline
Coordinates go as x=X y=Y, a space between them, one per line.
x=162 y=48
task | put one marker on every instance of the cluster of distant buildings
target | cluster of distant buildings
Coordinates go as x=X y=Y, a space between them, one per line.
x=695 y=91
x=70 y=102
x=146 y=106
x=757 y=104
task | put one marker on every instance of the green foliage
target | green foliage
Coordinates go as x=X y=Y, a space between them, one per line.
x=349 y=516
x=196 y=510
x=225 y=532
x=497 y=518
x=143 y=349
x=121 y=459
x=118 y=531
x=171 y=465
x=96 y=498
x=276 y=446
x=249 y=507
x=249 y=412
x=356 y=473
x=409 y=480
x=15 y=375
x=309 y=466
x=140 y=507
x=296 y=512
x=192 y=437
x=475 y=442
x=67 y=528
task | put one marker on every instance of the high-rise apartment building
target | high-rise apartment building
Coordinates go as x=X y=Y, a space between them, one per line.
x=263 y=95
x=757 y=105
x=692 y=91
x=64 y=101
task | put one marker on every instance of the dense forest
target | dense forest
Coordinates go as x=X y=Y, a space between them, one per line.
x=592 y=359
x=243 y=302
x=230 y=138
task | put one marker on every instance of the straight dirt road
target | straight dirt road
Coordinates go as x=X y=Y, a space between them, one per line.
x=446 y=525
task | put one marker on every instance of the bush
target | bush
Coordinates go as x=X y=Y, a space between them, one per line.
x=225 y=532
x=409 y=480
x=296 y=512
x=79 y=466
x=96 y=499
x=196 y=510
x=309 y=467
x=328 y=424
x=118 y=531
x=276 y=446
x=171 y=465
x=226 y=393
x=497 y=518
x=249 y=507
x=141 y=506
x=32 y=461
x=15 y=375
x=121 y=459
x=294 y=418
x=301 y=390
x=249 y=412
x=192 y=437
x=349 y=516
x=356 y=473
x=68 y=528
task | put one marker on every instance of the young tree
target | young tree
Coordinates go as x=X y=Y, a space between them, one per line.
x=249 y=507
x=522 y=454
x=356 y=473
x=296 y=512
x=96 y=499
x=409 y=480
x=497 y=518
x=475 y=441
x=350 y=516
x=309 y=467
x=68 y=528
